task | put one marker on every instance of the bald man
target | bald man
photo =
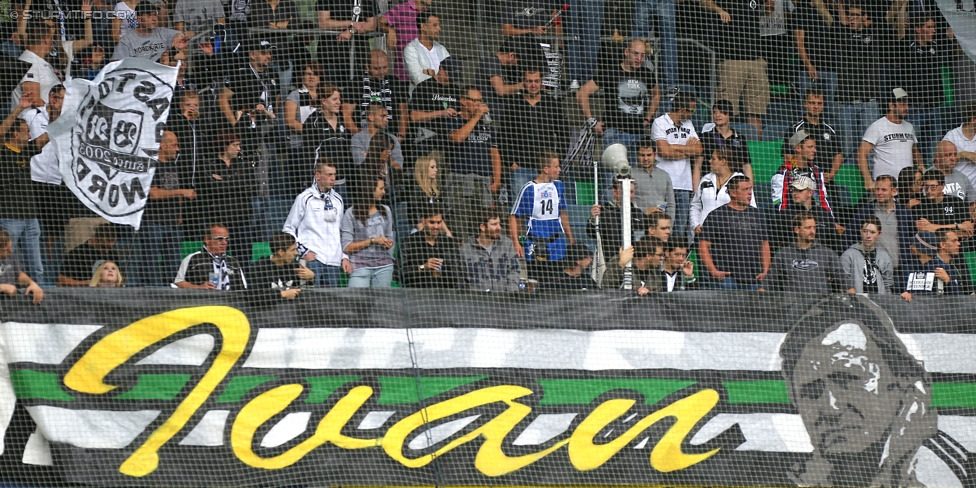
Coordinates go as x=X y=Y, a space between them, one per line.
x=378 y=86
x=956 y=183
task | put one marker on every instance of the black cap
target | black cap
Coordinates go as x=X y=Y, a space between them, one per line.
x=145 y=7
x=261 y=45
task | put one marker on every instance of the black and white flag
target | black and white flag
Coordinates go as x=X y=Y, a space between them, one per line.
x=108 y=134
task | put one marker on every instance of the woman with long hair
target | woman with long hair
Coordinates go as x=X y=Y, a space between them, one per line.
x=712 y=191
x=367 y=235
x=324 y=135
x=426 y=190
x=301 y=103
x=107 y=275
x=909 y=186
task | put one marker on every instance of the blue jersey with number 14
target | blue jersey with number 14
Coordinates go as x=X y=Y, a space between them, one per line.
x=541 y=203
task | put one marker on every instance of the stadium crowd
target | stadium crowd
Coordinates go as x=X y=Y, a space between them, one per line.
x=362 y=151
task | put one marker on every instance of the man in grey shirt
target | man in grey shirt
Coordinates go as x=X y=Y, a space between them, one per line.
x=654 y=191
x=148 y=41
x=956 y=183
x=376 y=123
x=194 y=16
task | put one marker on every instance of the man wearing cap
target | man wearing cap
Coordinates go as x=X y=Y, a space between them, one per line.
x=801 y=200
x=934 y=270
x=574 y=275
x=893 y=140
x=801 y=163
x=147 y=40
x=940 y=211
x=828 y=141
x=423 y=56
x=250 y=103
x=957 y=184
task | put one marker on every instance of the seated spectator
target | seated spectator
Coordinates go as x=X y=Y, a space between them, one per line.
x=868 y=266
x=148 y=41
x=654 y=192
x=428 y=259
x=910 y=187
x=678 y=272
x=377 y=88
x=211 y=268
x=801 y=163
x=490 y=258
x=658 y=225
x=367 y=235
x=935 y=270
x=107 y=275
x=806 y=266
x=542 y=202
x=734 y=243
x=79 y=262
x=12 y=274
x=957 y=184
x=801 y=196
x=422 y=57
x=574 y=275
x=940 y=211
x=645 y=257
x=434 y=103
x=893 y=217
x=719 y=134
x=713 y=191
x=279 y=273
x=426 y=192
x=610 y=217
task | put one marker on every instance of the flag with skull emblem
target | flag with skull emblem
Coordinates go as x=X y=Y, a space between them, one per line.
x=108 y=134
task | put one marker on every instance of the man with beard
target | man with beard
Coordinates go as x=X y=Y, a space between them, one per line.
x=806 y=266
x=490 y=258
x=429 y=259
x=893 y=140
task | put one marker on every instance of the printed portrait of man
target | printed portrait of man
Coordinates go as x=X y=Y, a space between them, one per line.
x=865 y=403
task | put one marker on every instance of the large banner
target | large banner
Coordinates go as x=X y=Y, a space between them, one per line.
x=394 y=387
x=108 y=134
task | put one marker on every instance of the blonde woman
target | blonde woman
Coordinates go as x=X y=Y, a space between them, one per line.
x=425 y=191
x=107 y=275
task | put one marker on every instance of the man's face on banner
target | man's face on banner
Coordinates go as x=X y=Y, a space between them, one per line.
x=845 y=393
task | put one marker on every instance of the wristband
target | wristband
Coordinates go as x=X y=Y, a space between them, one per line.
x=591 y=122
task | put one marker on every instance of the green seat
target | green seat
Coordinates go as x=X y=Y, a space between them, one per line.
x=971 y=263
x=260 y=250
x=693 y=257
x=189 y=247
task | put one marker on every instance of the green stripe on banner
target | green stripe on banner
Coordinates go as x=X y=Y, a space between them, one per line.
x=156 y=387
x=582 y=392
x=397 y=390
x=962 y=395
x=39 y=385
x=769 y=391
x=240 y=385
x=323 y=386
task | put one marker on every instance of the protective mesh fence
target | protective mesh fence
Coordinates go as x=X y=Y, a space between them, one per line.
x=609 y=242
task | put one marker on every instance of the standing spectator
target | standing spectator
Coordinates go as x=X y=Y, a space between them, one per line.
x=964 y=138
x=41 y=76
x=422 y=57
x=250 y=102
x=376 y=124
x=279 y=272
x=678 y=272
x=677 y=143
x=12 y=273
x=940 y=211
x=324 y=134
x=148 y=41
x=429 y=259
x=124 y=19
x=868 y=266
x=654 y=190
x=611 y=220
x=806 y=266
x=18 y=214
x=583 y=26
x=814 y=32
x=859 y=73
x=646 y=257
x=920 y=59
x=533 y=23
x=226 y=186
x=367 y=235
x=300 y=104
x=573 y=275
x=632 y=97
x=490 y=258
x=377 y=88
x=893 y=140
x=341 y=54
x=801 y=163
x=734 y=245
x=542 y=202
x=957 y=184
x=713 y=191
x=476 y=163
x=195 y=16
x=532 y=122
x=893 y=217
x=314 y=221
x=196 y=153
x=78 y=263
x=665 y=11
x=106 y=275
x=211 y=268
x=719 y=134
x=827 y=139
x=161 y=231
x=742 y=72
x=401 y=28
x=495 y=77
x=425 y=192
x=276 y=15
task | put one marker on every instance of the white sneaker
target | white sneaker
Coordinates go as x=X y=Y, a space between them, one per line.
x=574 y=85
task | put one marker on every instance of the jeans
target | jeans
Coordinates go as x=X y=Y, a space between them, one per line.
x=855 y=118
x=682 y=215
x=665 y=10
x=730 y=284
x=325 y=275
x=584 y=22
x=30 y=252
x=928 y=129
x=154 y=240
x=380 y=277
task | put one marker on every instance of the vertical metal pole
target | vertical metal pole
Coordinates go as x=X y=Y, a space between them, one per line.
x=626 y=231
